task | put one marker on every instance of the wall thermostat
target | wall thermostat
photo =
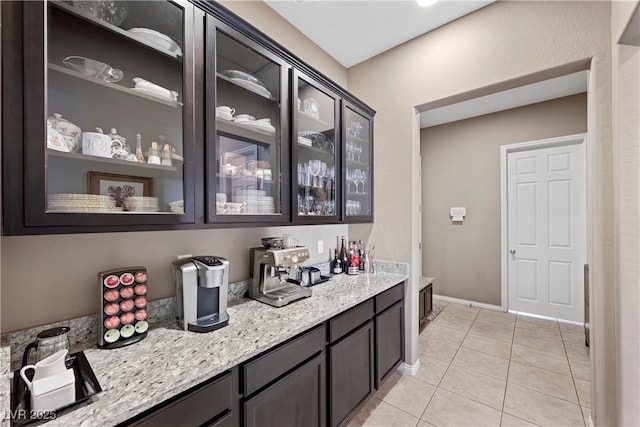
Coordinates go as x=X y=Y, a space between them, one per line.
x=457 y=214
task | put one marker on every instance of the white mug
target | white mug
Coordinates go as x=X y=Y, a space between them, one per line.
x=225 y=112
x=47 y=367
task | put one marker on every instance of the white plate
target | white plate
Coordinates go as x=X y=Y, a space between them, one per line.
x=258 y=126
x=260 y=90
x=157 y=39
x=154 y=94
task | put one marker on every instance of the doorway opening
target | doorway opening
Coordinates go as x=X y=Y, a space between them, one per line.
x=461 y=168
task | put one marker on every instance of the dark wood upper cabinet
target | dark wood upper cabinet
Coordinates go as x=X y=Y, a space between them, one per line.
x=162 y=72
x=316 y=148
x=357 y=154
x=247 y=122
x=128 y=76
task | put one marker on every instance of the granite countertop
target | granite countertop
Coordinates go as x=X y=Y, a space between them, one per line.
x=5 y=383
x=170 y=361
x=425 y=281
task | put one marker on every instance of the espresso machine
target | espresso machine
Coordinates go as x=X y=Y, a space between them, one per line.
x=274 y=273
x=202 y=284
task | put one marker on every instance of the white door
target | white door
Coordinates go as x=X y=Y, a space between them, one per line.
x=546 y=225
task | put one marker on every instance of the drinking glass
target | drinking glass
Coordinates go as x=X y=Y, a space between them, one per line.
x=364 y=180
x=314 y=170
x=357 y=179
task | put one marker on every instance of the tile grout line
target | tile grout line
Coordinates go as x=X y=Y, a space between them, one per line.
x=450 y=363
x=506 y=384
x=573 y=380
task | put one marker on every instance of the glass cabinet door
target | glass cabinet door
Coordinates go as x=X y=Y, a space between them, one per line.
x=316 y=152
x=246 y=163
x=113 y=122
x=358 y=170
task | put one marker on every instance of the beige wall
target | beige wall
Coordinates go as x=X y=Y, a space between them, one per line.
x=50 y=278
x=495 y=46
x=626 y=136
x=258 y=14
x=461 y=167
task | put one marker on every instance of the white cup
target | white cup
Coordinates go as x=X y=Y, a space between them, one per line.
x=225 y=112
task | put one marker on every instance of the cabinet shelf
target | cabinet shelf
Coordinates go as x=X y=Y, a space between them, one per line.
x=235 y=83
x=236 y=129
x=357 y=163
x=316 y=150
x=310 y=123
x=113 y=86
x=106 y=160
x=114 y=29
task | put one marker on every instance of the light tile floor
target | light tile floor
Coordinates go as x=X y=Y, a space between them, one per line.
x=486 y=368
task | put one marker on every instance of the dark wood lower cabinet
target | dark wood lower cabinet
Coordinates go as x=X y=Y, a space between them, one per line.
x=321 y=377
x=425 y=302
x=211 y=404
x=389 y=340
x=298 y=399
x=351 y=364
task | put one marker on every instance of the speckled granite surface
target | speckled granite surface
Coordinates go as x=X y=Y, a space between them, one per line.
x=5 y=384
x=425 y=281
x=170 y=361
x=83 y=333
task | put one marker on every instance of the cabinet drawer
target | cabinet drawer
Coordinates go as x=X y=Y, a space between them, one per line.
x=346 y=322
x=389 y=297
x=196 y=408
x=274 y=363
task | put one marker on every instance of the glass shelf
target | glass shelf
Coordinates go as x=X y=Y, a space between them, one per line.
x=117 y=30
x=114 y=86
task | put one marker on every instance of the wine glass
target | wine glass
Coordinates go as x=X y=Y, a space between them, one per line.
x=364 y=180
x=322 y=174
x=357 y=178
x=314 y=170
x=350 y=150
x=349 y=179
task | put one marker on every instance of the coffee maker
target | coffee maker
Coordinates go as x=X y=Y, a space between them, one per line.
x=274 y=272
x=202 y=284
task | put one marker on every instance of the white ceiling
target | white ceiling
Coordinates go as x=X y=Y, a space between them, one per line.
x=570 y=84
x=352 y=31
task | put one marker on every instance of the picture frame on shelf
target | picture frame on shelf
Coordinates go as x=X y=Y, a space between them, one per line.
x=119 y=186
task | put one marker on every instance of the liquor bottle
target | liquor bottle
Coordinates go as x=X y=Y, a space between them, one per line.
x=354 y=259
x=337 y=263
x=362 y=255
x=344 y=255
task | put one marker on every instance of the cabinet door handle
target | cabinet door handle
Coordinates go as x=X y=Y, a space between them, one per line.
x=512 y=251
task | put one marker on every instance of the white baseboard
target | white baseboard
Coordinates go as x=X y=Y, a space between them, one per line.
x=407 y=369
x=538 y=316
x=467 y=302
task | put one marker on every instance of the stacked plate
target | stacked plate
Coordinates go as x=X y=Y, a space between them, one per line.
x=256 y=202
x=141 y=204
x=81 y=203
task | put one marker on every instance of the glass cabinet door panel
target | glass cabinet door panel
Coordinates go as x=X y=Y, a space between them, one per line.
x=248 y=135
x=316 y=163
x=114 y=91
x=358 y=164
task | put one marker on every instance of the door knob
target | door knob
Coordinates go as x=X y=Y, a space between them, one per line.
x=512 y=251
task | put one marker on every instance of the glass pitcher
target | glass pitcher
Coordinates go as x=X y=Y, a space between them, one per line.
x=47 y=343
